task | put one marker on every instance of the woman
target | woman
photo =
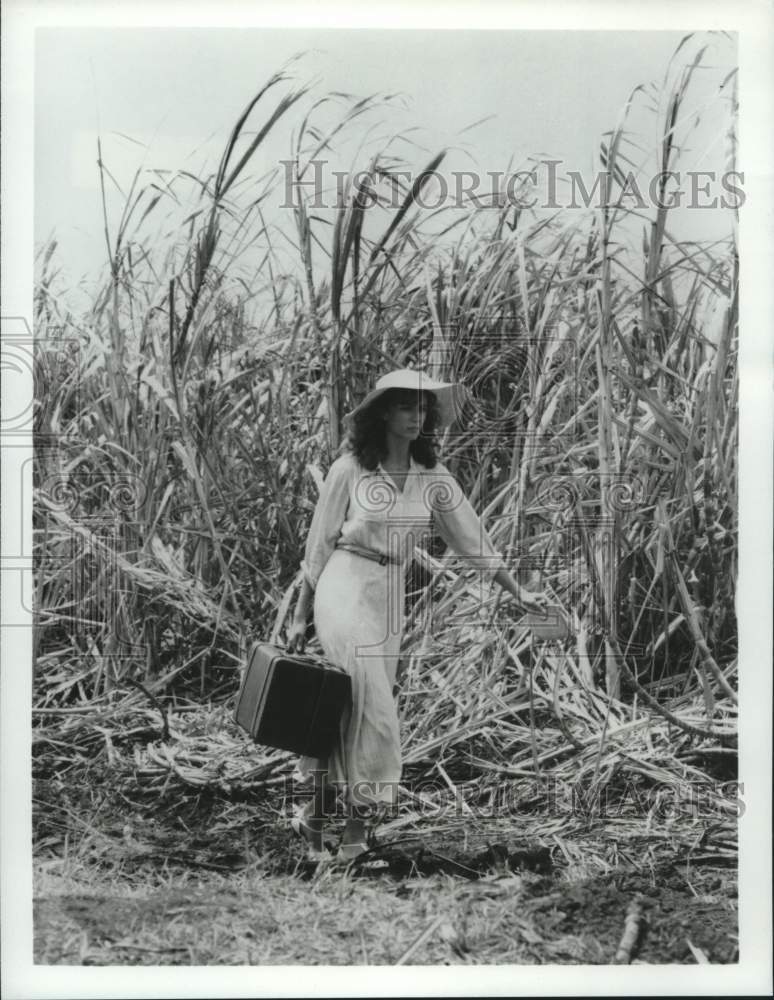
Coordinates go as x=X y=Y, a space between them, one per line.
x=381 y=497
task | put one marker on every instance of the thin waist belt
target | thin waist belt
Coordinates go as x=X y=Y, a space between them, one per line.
x=372 y=554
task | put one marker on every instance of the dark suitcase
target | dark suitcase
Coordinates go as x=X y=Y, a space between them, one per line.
x=292 y=702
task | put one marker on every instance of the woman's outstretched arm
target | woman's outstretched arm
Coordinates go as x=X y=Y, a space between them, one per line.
x=461 y=529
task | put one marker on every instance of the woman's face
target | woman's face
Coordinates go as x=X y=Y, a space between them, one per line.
x=405 y=416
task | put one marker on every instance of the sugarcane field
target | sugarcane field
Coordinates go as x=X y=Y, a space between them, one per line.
x=563 y=700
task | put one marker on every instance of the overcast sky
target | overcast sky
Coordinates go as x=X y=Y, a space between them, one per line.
x=167 y=98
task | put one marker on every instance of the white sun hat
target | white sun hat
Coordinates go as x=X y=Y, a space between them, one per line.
x=450 y=395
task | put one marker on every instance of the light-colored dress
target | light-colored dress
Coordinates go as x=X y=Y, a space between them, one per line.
x=359 y=604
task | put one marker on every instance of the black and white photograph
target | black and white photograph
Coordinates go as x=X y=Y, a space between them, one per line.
x=386 y=442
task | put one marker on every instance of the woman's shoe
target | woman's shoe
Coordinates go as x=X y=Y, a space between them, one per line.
x=306 y=833
x=349 y=852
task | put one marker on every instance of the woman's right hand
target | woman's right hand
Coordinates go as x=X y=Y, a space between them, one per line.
x=296 y=637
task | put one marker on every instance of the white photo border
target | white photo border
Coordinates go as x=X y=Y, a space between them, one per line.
x=753 y=974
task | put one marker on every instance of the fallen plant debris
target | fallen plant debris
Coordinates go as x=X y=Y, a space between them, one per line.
x=631 y=932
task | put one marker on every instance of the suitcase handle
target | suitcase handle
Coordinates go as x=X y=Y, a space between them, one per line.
x=316 y=657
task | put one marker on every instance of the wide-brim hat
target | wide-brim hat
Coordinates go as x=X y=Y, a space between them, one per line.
x=450 y=395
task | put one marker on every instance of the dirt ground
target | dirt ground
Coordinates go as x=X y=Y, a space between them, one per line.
x=230 y=893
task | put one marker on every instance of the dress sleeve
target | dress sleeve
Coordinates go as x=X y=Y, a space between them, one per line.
x=328 y=517
x=459 y=526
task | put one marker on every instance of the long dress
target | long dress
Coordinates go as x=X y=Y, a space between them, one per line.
x=359 y=603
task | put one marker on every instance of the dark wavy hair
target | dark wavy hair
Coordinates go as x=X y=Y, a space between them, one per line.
x=367 y=439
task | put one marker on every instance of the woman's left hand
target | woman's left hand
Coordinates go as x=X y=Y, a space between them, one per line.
x=531 y=602
x=545 y=619
x=547 y=622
